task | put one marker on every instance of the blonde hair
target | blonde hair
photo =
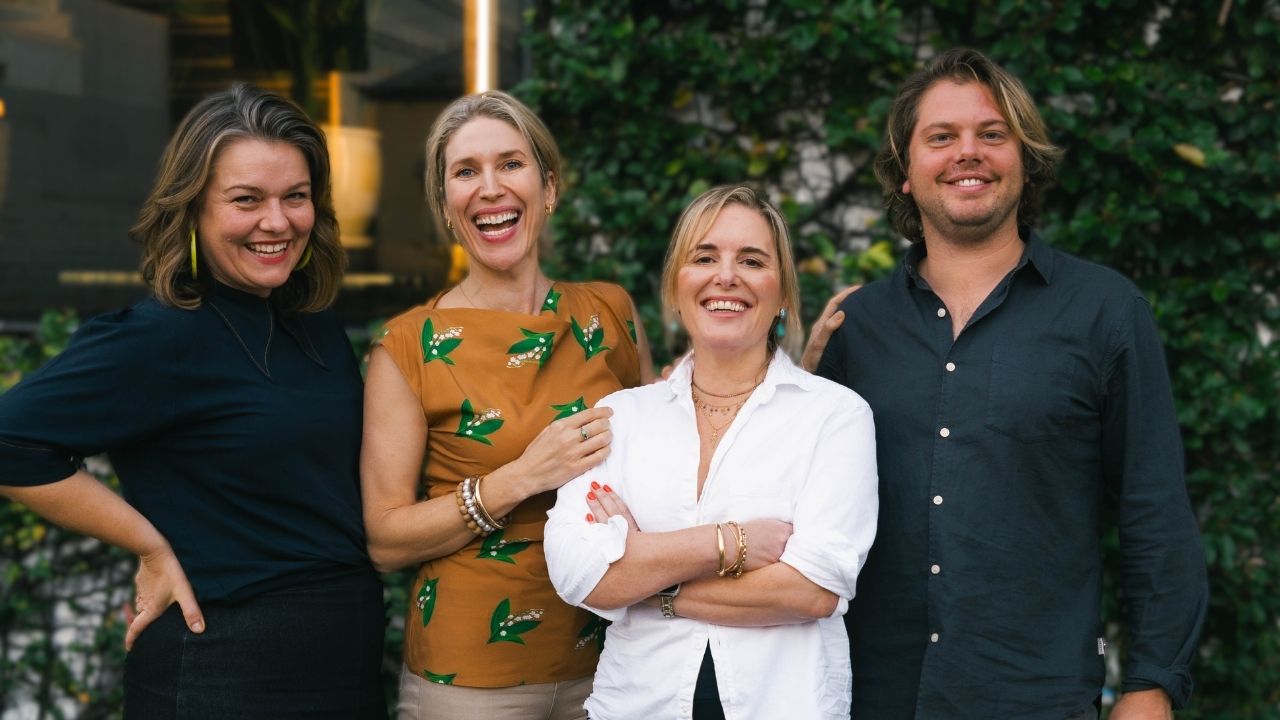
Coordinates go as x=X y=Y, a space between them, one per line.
x=961 y=65
x=496 y=105
x=693 y=225
x=169 y=214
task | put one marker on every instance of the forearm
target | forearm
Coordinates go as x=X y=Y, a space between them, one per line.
x=776 y=594
x=403 y=535
x=654 y=561
x=83 y=504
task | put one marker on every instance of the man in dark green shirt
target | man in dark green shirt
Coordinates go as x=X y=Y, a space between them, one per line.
x=1016 y=389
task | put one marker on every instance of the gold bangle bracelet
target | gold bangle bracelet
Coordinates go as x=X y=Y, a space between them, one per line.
x=483 y=513
x=740 y=564
x=720 y=547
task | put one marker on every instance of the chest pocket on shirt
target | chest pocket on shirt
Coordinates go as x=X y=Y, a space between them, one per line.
x=1031 y=396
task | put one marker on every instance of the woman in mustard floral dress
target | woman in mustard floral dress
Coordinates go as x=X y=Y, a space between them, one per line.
x=489 y=385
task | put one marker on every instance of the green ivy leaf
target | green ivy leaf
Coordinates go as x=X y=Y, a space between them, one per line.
x=433 y=350
x=496 y=548
x=506 y=627
x=552 y=301
x=437 y=678
x=427 y=599
x=467 y=415
x=569 y=409
x=500 y=613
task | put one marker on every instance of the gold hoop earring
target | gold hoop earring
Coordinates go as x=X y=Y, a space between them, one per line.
x=306 y=258
x=448 y=223
x=195 y=272
x=550 y=210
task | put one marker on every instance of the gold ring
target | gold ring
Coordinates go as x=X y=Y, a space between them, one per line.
x=583 y=430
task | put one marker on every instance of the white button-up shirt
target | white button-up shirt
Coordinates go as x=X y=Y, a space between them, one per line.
x=802 y=450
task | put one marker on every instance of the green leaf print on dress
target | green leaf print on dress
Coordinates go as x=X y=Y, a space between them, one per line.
x=496 y=548
x=593 y=630
x=569 y=409
x=551 y=302
x=438 y=678
x=506 y=627
x=478 y=427
x=427 y=599
x=534 y=346
x=591 y=338
x=437 y=346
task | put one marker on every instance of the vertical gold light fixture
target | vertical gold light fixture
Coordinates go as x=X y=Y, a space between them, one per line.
x=480 y=64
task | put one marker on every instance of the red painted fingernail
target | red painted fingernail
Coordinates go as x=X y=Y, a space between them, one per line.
x=591 y=496
x=608 y=489
x=595 y=485
x=591 y=518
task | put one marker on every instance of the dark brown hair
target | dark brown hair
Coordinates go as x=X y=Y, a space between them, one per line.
x=168 y=216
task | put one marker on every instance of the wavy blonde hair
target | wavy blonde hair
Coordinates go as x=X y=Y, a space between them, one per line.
x=495 y=105
x=961 y=65
x=169 y=214
x=693 y=225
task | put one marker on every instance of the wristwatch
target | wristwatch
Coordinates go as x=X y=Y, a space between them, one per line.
x=667 y=600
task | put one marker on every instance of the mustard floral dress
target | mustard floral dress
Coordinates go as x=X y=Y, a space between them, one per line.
x=489 y=381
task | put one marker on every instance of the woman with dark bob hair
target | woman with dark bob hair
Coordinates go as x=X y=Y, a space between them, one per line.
x=229 y=402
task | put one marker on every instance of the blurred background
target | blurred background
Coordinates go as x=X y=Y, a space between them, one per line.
x=1167 y=110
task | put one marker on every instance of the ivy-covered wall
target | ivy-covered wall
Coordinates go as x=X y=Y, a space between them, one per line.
x=1172 y=176
x=1168 y=114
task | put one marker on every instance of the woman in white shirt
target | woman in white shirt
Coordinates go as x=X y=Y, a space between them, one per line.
x=754 y=484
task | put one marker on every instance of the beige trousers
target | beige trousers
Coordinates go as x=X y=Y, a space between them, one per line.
x=421 y=699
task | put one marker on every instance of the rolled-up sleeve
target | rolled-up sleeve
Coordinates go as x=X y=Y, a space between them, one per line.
x=95 y=395
x=579 y=552
x=1165 y=582
x=835 y=513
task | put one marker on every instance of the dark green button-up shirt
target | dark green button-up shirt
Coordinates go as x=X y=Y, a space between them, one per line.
x=981 y=595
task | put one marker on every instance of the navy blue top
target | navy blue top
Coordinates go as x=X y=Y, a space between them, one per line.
x=981 y=595
x=234 y=428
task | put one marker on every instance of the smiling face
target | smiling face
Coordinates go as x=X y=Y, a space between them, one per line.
x=256 y=215
x=728 y=291
x=965 y=165
x=494 y=195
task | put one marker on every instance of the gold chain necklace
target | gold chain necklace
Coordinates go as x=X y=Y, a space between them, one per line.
x=477 y=306
x=706 y=411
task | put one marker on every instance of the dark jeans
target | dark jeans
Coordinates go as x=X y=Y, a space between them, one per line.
x=309 y=651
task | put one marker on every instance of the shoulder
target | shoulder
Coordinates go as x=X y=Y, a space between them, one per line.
x=1078 y=274
x=148 y=325
x=410 y=320
x=601 y=293
x=639 y=399
x=874 y=294
x=820 y=394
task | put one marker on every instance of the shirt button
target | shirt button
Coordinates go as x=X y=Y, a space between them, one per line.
x=935 y=569
x=942 y=312
x=937 y=499
x=951 y=367
x=933 y=638
x=945 y=432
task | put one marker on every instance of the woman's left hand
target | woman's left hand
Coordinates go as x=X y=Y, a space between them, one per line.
x=604 y=503
x=161 y=582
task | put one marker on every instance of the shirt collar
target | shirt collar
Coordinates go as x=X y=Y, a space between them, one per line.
x=782 y=371
x=1034 y=253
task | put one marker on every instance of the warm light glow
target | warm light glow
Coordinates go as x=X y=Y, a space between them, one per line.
x=2 y=112
x=484 y=45
x=481 y=45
